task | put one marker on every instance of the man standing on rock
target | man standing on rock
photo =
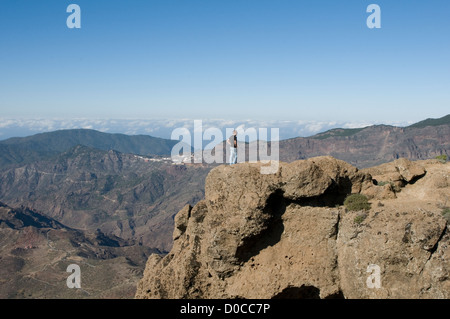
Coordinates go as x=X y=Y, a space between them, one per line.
x=232 y=141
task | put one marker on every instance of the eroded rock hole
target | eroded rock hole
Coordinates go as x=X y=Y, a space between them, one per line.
x=272 y=230
x=334 y=195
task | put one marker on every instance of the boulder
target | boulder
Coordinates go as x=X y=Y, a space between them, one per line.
x=399 y=172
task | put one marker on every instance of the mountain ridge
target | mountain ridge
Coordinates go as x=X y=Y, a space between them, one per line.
x=22 y=150
x=445 y=120
x=373 y=145
x=432 y=122
x=127 y=195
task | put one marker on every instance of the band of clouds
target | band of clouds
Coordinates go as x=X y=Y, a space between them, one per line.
x=163 y=127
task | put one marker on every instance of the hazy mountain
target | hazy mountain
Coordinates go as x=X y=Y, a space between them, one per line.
x=21 y=150
x=368 y=146
x=445 y=120
x=127 y=195
x=374 y=145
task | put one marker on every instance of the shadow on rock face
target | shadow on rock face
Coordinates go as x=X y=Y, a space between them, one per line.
x=275 y=207
x=303 y=292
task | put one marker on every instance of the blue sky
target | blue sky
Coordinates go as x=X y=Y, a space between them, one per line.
x=234 y=59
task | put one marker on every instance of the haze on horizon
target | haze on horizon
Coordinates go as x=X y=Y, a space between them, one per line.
x=163 y=128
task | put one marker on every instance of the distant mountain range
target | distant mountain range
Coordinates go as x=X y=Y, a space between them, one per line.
x=374 y=145
x=23 y=150
x=361 y=147
x=368 y=146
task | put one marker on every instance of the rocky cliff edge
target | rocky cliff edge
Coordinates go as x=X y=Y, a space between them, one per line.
x=287 y=235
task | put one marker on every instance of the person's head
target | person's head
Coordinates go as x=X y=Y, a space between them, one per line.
x=234 y=132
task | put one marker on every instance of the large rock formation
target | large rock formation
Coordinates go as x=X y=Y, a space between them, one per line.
x=286 y=235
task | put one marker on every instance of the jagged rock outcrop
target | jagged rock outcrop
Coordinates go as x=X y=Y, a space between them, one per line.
x=286 y=235
x=392 y=177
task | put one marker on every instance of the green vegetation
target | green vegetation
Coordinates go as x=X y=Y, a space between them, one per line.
x=339 y=132
x=442 y=158
x=432 y=122
x=356 y=202
x=446 y=213
x=360 y=218
x=382 y=183
x=395 y=187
